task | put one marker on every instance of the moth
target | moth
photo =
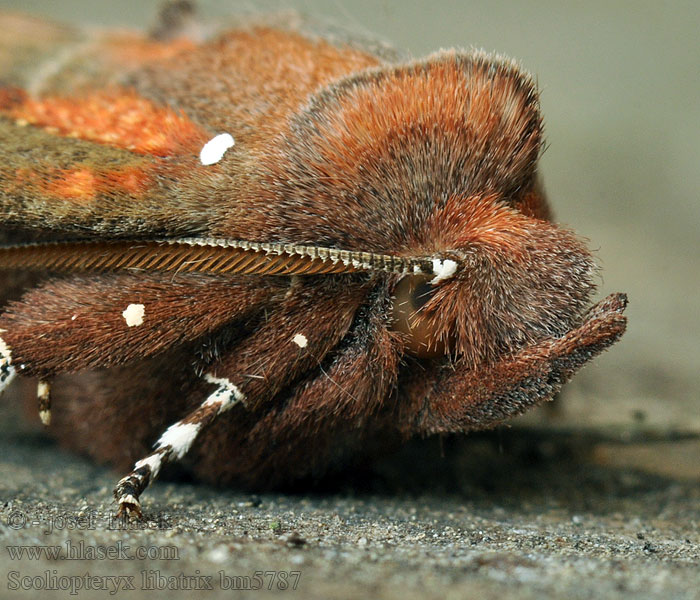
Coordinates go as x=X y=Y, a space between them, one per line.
x=273 y=250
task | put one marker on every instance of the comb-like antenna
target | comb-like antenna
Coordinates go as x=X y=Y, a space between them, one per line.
x=200 y=255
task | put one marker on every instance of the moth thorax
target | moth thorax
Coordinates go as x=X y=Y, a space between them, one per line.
x=420 y=330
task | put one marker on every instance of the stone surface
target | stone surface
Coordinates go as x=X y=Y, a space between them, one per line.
x=510 y=514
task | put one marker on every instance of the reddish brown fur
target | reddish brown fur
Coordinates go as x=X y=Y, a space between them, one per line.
x=533 y=203
x=334 y=147
x=93 y=333
x=249 y=80
x=507 y=387
x=497 y=304
x=368 y=200
x=269 y=360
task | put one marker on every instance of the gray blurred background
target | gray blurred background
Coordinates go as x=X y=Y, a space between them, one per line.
x=621 y=99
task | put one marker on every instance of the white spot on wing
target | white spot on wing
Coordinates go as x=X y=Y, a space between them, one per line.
x=443 y=269
x=300 y=340
x=133 y=314
x=179 y=438
x=213 y=151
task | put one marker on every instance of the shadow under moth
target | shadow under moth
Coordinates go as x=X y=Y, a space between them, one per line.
x=273 y=250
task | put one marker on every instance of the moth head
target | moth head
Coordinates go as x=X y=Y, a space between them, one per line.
x=512 y=280
x=438 y=158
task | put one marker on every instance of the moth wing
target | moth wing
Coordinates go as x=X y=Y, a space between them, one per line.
x=84 y=189
x=103 y=137
x=84 y=153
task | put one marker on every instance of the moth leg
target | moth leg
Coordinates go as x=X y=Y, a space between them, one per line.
x=81 y=322
x=43 y=396
x=482 y=398
x=7 y=371
x=295 y=337
x=328 y=415
x=173 y=445
x=7 y=375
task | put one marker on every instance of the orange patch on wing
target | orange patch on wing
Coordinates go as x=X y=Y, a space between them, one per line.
x=117 y=118
x=83 y=184
x=74 y=184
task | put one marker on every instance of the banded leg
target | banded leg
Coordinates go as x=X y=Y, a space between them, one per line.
x=80 y=323
x=326 y=417
x=7 y=371
x=7 y=375
x=43 y=395
x=174 y=444
x=294 y=338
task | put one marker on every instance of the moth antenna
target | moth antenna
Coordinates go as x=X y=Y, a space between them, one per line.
x=217 y=256
x=173 y=444
x=43 y=396
x=7 y=371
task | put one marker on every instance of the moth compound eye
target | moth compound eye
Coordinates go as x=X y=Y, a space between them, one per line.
x=421 y=292
x=420 y=330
